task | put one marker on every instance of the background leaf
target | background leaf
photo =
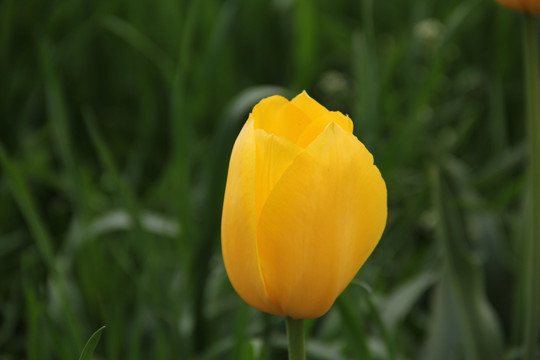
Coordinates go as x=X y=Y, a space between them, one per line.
x=91 y=344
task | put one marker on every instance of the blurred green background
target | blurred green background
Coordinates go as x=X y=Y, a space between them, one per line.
x=117 y=118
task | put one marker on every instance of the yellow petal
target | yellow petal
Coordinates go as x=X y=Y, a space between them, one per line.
x=308 y=105
x=274 y=155
x=320 y=223
x=317 y=126
x=238 y=234
x=276 y=115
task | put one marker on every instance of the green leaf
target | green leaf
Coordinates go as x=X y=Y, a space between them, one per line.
x=107 y=160
x=479 y=327
x=140 y=42
x=353 y=326
x=91 y=344
x=28 y=208
x=60 y=123
x=401 y=301
x=443 y=340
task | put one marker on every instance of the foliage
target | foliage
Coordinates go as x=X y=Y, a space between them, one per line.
x=116 y=122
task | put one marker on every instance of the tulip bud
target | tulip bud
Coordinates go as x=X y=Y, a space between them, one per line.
x=304 y=207
x=529 y=6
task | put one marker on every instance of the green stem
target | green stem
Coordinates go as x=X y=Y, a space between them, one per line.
x=295 y=335
x=532 y=244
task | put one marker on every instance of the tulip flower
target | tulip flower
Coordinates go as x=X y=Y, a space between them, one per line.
x=304 y=207
x=528 y=6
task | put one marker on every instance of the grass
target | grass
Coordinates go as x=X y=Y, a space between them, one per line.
x=117 y=119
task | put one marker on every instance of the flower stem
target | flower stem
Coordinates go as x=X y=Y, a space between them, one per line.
x=295 y=335
x=532 y=243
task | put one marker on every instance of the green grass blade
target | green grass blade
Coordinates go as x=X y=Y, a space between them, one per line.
x=141 y=43
x=26 y=204
x=181 y=137
x=400 y=302
x=443 y=341
x=479 y=326
x=107 y=161
x=366 y=87
x=6 y=24
x=353 y=326
x=40 y=235
x=59 y=121
x=240 y=332
x=37 y=344
x=531 y=256
x=376 y=313
x=305 y=43
x=91 y=344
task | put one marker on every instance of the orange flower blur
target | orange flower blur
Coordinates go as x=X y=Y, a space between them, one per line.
x=529 y=6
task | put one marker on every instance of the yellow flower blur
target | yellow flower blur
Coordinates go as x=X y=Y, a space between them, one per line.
x=304 y=207
x=530 y=6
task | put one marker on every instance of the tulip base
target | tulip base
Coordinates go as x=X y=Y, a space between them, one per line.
x=295 y=335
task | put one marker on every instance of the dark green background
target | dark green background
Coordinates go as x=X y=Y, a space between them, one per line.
x=117 y=118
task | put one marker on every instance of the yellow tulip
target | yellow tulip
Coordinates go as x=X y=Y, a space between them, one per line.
x=304 y=207
x=529 y=6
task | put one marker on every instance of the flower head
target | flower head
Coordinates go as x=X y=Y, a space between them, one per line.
x=304 y=207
